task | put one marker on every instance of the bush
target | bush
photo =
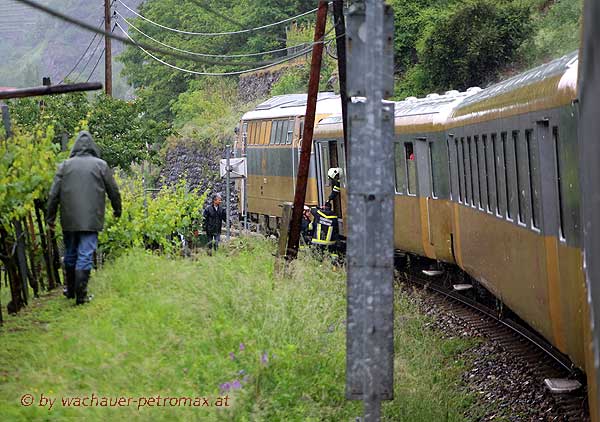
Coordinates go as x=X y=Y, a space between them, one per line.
x=472 y=45
x=152 y=222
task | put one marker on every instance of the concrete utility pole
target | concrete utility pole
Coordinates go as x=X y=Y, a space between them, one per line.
x=107 y=49
x=589 y=175
x=340 y=33
x=307 y=136
x=370 y=214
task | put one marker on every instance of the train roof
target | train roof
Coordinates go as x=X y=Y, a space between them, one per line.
x=294 y=105
x=547 y=86
x=411 y=115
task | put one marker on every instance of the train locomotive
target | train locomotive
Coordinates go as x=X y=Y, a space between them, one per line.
x=486 y=180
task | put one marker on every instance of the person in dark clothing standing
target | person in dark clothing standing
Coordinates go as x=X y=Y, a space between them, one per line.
x=80 y=186
x=214 y=215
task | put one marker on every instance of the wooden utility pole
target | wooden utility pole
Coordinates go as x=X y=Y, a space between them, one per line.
x=307 y=136
x=107 y=49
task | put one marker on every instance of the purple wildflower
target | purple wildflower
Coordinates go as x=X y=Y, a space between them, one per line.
x=236 y=385
x=231 y=356
x=264 y=358
x=241 y=372
x=225 y=387
x=242 y=347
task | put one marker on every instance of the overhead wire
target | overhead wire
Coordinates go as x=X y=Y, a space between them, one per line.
x=99 y=58
x=82 y=56
x=96 y=65
x=239 y=72
x=129 y=41
x=262 y=53
x=215 y=34
x=87 y=63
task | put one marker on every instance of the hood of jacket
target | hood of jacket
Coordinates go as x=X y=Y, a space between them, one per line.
x=85 y=145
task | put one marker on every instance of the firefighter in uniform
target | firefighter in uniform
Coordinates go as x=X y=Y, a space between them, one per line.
x=334 y=175
x=325 y=230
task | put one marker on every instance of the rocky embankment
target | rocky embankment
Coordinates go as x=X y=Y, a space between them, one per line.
x=198 y=164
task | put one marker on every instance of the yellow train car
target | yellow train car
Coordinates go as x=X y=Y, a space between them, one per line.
x=270 y=137
x=488 y=180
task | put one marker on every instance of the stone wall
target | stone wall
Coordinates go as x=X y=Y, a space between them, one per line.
x=199 y=165
x=258 y=85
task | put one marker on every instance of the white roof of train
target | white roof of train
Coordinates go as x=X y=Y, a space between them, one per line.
x=294 y=105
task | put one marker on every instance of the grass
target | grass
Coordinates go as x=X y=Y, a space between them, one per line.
x=215 y=327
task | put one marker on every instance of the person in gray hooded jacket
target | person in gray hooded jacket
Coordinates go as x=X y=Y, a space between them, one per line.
x=80 y=185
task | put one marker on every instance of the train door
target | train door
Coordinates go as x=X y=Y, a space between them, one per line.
x=423 y=158
x=326 y=158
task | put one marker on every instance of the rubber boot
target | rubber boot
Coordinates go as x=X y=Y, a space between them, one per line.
x=81 y=282
x=69 y=290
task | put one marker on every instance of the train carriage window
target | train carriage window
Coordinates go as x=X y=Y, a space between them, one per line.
x=483 y=177
x=488 y=152
x=461 y=174
x=433 y=172
x=411 y=168
x=495 y=163
x=450 y=178
x=273 y=132
x=252 y=136
x=280 y=130
x=505 y=162
x=476 y=173
x=466 y=170
x=558 y=168
x=534 y=182
x=519 y=176
x=399 y=169
x=260 y=130
x=265 y=133
x=290 y=131
x=284 y=131
x=471 y=183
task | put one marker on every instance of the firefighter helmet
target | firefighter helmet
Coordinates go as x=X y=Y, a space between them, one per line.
x=333 y=172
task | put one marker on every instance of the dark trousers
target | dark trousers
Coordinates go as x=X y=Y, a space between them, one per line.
x=213 y=241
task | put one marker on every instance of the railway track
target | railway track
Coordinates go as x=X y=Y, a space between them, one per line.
x=536 y=356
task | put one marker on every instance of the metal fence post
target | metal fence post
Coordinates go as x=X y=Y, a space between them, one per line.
x=245 y=182
x=227 y=189
x=370 y=247
x=589 y=174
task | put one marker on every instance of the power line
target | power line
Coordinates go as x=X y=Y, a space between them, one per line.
x=206 y=54
x=99 y=57
x=81 y=57
x=129 y=41
x=239 y=72
x=89 y=59
x=96 y=65
x=214 y=34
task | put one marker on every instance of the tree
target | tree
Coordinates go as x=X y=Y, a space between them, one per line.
x=158 y=85
x=472 y=45
x=123 y=133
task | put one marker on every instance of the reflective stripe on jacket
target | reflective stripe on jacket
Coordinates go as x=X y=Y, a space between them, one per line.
x=326 y=228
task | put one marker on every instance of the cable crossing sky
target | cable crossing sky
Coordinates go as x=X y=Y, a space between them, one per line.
x=215 y=34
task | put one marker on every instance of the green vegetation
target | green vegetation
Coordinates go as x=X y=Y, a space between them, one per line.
x=216 y=326
x=152 y=220
x=450 y=44
x=120 y=128
x=157 y=84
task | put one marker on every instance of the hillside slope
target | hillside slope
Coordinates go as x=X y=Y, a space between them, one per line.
x=36 y=45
